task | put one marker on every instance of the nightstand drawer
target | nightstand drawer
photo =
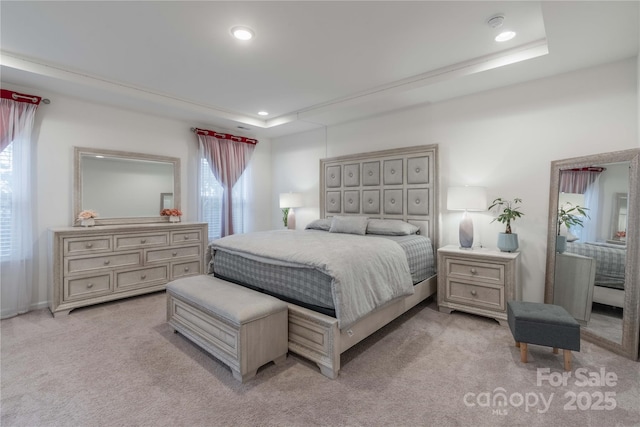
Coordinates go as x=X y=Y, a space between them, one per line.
x=485 y=296
x=465 y=269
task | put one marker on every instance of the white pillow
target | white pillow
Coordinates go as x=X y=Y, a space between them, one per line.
x=391 y=227
x=349 y=225
x=319 y=224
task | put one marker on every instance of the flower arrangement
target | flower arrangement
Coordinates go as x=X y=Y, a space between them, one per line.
x=170 y=212
x=87 y=214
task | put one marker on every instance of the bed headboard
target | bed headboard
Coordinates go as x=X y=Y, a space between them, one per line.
x=399 y=184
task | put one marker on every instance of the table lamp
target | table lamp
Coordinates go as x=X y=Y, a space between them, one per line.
x=466 y=199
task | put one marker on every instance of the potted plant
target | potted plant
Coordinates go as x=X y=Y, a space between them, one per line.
x=507 y=241
x=569 y=216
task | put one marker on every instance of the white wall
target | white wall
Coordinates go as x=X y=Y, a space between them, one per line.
x=69 y=122
x=502 y=139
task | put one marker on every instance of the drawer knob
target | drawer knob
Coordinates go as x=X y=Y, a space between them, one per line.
x=144 y=276
x=107 y=262
x=473 y=271
x=186 y=269
x=474 y=293
x=175 y=254
x=89 y=285
x=186 y=237
x=143 y=241
x=89 y=245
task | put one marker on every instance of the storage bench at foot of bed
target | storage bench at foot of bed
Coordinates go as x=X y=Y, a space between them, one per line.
x=242 y=328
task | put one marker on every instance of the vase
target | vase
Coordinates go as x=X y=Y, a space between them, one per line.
x=174 y=218
x=89 y=222
x=508 y=242
x=561 y=244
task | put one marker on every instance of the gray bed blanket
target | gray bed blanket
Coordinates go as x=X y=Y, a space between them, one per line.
x=366 y=272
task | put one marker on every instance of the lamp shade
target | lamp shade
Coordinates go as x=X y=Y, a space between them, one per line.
x=467 y=198
x=290 y=200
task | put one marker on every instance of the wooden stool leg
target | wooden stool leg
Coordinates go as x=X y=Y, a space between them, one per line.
x=555 y=350
x=517 y=344
x=567 y=359
x=523 y=352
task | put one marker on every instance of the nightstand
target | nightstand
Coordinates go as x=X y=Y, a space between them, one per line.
x=478 y=281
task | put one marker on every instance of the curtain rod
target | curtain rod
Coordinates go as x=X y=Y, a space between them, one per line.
x=33 y=99
x=221 y=135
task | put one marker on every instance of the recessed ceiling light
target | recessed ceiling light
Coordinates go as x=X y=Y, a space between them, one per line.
x=505 y=36
x=263 y=113
x=242 y=33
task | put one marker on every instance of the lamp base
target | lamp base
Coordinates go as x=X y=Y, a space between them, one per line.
x=291 y=220
x=466 y=231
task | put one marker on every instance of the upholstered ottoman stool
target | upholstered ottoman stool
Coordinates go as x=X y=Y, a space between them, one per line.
x=543 y=324
x=242 y=328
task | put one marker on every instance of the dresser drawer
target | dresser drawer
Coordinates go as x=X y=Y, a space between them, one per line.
x=87 y=245
x=465 y=269
x=78 y=265
x=87 y=287
x=172 y=253
x=183 y=269
x=141 y=277
x=187 y=236
x=141 y=240
x=479 y=295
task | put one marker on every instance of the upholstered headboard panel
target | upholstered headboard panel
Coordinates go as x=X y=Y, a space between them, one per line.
x=391 y=184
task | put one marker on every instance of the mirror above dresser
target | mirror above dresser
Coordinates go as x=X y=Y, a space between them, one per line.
x=124 y=187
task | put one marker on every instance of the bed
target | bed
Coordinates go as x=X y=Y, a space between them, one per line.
x=398 y=186
x=610 y=266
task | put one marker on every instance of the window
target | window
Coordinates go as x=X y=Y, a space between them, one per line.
x=211 y=201
x=6 y=193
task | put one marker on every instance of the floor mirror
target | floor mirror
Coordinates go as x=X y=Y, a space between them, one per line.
x=593 y=259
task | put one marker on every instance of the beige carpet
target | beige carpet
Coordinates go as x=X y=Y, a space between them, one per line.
x=118 y=364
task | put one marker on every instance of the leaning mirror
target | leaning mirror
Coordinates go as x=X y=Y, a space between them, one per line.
x=124 y=187
x=593 y=246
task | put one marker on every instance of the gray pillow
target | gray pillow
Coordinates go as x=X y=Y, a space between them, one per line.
x=319 y=224
x=391 y=227
x=349 y=224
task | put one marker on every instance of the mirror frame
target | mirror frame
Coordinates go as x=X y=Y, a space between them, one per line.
x=77 y=184
x=630 y=318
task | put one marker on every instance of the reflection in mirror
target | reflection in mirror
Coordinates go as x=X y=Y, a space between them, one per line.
x=591 y=275
x=124 y=187
x=619 y=220
x=166 y=201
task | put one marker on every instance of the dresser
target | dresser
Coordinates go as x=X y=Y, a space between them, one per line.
x=478 y=281
x=90 y=265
